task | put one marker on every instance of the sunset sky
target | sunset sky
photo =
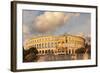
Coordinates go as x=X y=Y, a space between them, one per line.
x=56 y=23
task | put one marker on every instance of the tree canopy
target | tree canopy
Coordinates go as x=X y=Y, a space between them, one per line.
x=80 y=50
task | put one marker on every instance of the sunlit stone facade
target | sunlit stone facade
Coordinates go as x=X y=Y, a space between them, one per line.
x=63 y=44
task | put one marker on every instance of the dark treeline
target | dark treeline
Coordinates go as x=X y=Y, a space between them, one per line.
x=86 y=49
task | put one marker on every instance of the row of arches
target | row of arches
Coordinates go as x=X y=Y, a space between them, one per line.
x=53 y=52
x=42 y=52
x=45 y=45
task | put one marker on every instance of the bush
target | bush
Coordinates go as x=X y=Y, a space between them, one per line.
x=30 y=55
x=80 y=51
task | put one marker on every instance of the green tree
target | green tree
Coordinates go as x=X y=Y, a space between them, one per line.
x=80 y=50
x=33 y=50
x=31 y=55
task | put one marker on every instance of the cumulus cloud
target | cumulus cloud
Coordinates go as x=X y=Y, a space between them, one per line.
x=49 y=21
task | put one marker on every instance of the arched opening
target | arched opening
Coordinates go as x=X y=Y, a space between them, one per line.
x=69 y=51
x=43 y=45
x=45 y=51
x=62 y=51
x=49 y=51
x=42 y=51
x=52 y=52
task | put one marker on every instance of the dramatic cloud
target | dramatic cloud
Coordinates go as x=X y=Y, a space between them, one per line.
x=50 y=21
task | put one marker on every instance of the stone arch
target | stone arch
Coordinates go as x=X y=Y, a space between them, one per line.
x=45 y=51
x=49 y=51
x=69 y=51
x=42 y=51
x=52 y=51
x=66 y=51
x=39 y=52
